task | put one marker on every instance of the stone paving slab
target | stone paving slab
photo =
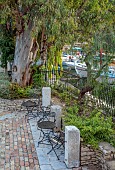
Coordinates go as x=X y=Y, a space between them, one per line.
x=46 y=161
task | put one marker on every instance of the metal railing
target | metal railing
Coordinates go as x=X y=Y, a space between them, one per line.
x=102 y=96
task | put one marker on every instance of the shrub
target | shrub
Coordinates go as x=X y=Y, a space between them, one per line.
x=14 y=91
x=93 y=128
x=17 y=91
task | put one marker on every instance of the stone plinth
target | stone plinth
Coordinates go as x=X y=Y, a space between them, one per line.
x=46 y=96
x=58 y=110
x=72 y=146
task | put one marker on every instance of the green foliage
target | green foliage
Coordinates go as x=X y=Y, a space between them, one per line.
x=90 y=16
x=93 y=128
x=54 y=58
x=61 y=22
x=18 y=92
x=65 y=97
x=12 y=90
x=4 y=86
x=38 y=80
x=64 y=93
x=7 y=46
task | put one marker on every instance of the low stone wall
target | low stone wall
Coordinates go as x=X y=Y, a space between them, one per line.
x=103 y=157
x=88 y=155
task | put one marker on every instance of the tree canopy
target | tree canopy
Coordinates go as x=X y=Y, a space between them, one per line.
x=64 y=21
x=55 y=23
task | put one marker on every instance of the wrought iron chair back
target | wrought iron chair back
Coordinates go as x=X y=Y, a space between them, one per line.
x=46 y=114
x=57 y=141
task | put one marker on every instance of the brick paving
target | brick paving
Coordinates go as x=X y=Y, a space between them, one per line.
x=19 y=142
x=18 y=145
x=17 y=149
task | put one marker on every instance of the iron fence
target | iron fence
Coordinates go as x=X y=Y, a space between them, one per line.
x=102 y=96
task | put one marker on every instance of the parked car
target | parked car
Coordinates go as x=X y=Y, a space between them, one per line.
x=68 y=57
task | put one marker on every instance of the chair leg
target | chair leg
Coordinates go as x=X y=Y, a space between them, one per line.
x=53 y=149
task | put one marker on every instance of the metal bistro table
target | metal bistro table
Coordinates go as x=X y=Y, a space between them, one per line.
x=30 y=105
x=46 y=127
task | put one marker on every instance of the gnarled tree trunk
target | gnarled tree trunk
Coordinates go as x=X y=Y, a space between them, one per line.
x=25 y=53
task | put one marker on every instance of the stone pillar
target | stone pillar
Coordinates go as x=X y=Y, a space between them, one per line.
x=58 y=110
x=72 y=146
x=46 y=96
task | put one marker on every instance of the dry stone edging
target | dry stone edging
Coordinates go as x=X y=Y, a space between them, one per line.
x=104 y=158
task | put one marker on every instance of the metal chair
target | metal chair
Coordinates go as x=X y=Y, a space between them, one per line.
x=57 y=141
x=46 y=114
